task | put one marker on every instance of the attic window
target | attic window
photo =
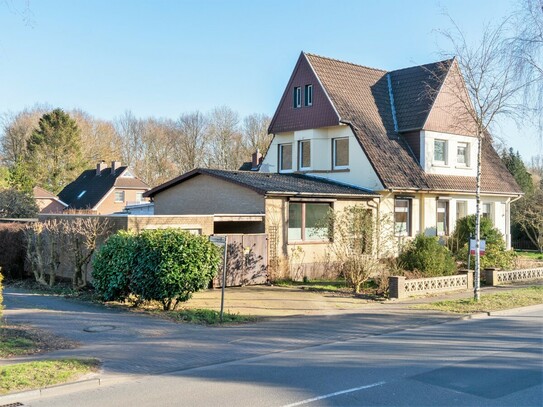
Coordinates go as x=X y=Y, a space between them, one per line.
x=128 y=174
x=81 y=194
x=309 y=95
x=297 y=97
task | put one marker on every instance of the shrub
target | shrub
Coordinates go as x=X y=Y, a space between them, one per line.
x=171 y=265
x=1 y=296
x=113 y=266
x=13 y=250
x=17 y=204
x=495 y=255
x=426 y=255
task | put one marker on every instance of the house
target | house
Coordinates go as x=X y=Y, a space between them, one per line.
x=396 y=133
x=104 y=190
x=47 y=201
x=344 y=135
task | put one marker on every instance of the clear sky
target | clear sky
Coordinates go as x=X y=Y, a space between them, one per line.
x=164 y=57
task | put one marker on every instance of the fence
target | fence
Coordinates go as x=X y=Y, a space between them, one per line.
x=496 y=277
x=400 y=287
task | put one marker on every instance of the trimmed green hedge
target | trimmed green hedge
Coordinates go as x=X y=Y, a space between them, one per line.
x=426 y=255
x=165 y=265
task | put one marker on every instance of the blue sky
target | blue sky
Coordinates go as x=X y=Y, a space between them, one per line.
x=164 y=57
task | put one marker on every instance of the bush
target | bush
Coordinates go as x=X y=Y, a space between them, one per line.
x=495 y=255
x=113 y=266
x=13 y=250
x=1 y=296
x=171 y=265
x=17 y=204
x=426 y=255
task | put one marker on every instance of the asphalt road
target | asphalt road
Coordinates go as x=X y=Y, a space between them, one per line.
x=493 y=361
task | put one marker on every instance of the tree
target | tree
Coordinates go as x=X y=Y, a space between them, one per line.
x=17 y=204
x=527 y=45
x=518 y=170
x=482 y=89
x=54 y=151
x=191 y=137
x=255 y=133
x=224 y=139
x=530 y=217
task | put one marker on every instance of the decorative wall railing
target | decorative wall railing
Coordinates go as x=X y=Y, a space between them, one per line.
x=400 y=287
x=497 y=277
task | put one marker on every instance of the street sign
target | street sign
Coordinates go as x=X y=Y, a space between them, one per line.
x=218 y=240
x=221 y=241
x=473 y=244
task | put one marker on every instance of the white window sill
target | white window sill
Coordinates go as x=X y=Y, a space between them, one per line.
x=463 y=167
x=440 y=165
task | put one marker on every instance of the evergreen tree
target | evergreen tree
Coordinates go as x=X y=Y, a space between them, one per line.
x=54 y=151
x=516 y=167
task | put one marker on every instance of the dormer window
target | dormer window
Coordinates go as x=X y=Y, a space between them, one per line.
x=440 y=152
x=297 y=97
x=304 y=155
x=285 y=157
x=462 y=154
x=309 y=95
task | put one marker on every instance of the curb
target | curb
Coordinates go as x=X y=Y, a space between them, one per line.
x=509 y=311
x=51 y=391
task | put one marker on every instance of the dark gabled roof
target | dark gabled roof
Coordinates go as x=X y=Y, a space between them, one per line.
x=362 y=98
x=96 y=187
x=414 y=91
x=271 y=183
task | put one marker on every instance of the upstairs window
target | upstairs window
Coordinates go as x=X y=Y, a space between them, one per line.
x=308 y=221
x=285 y=157
x=340 y=156
x=119 y=196
x=304 y=154
x=297 y=96
x=309 y=95
x=440 y=152
x=402 y=217
x=139 y=196
x=442 y=218
x=462 y=154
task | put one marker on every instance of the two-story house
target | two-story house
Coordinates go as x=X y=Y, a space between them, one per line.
x=397 y=133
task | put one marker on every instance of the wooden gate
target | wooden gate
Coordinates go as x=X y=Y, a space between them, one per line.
x=247 y=261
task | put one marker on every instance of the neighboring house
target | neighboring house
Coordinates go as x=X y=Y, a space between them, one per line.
x=396 y=133
x=47 y=201
x=104 y=190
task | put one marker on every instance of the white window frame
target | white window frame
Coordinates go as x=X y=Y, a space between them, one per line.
x=334 y=154
x=115 y=195
x=458 y=203
x=281 y=169
x=300 y=153
x=305 y=237
x=308 y=94
x=401 y=209
x=297 y=97
x=466 y=147
x=490 y=213
x=446 y=211
x=139 y=196
x=445 y=152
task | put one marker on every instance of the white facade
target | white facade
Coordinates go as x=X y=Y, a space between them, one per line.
x=452 y=164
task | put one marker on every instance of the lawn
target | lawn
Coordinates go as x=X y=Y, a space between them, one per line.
x=521 y=297
x=315 y=285
x=530 y=255
x=20 y=340
x=39 y=374
x=206 y=317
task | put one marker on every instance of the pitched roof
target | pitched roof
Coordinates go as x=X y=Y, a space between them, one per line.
x=271 y=183
x=89 y=188
x=362 y=98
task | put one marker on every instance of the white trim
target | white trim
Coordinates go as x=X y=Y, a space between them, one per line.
x=334 y=151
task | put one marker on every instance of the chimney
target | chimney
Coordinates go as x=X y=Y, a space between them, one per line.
x=115 y=165
x=100 y=167
x=257 y=160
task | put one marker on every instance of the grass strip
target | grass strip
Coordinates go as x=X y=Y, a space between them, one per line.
x=39 y=374
x=207 y=317
x=521 y=297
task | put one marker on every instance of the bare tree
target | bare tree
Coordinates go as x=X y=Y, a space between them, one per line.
x=190 y=141
x=131 y=131
x=528 y=53
x=481 y=86
x=226 y=148
x=255 y=133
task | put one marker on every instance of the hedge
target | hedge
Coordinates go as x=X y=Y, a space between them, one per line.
x=13 y=252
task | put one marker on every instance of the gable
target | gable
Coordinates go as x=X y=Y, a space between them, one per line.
x=449 y=112
x=320 y=114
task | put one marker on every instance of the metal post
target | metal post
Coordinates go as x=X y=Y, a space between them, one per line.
x=223 y=276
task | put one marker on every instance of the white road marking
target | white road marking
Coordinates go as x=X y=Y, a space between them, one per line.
x=337 y=393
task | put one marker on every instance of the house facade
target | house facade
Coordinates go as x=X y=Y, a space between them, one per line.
x=104 y=190
x=47 y=201
x=400 y=134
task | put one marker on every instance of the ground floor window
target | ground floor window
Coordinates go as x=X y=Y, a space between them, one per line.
x=307 y=221
x=402 y=216
x=487 y=210
x=442 y=224
x=461 y=209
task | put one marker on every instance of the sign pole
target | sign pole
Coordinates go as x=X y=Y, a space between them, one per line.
x=223 y=277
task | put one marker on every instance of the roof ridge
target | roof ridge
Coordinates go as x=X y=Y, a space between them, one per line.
x=423 y=65
x=345 y=62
